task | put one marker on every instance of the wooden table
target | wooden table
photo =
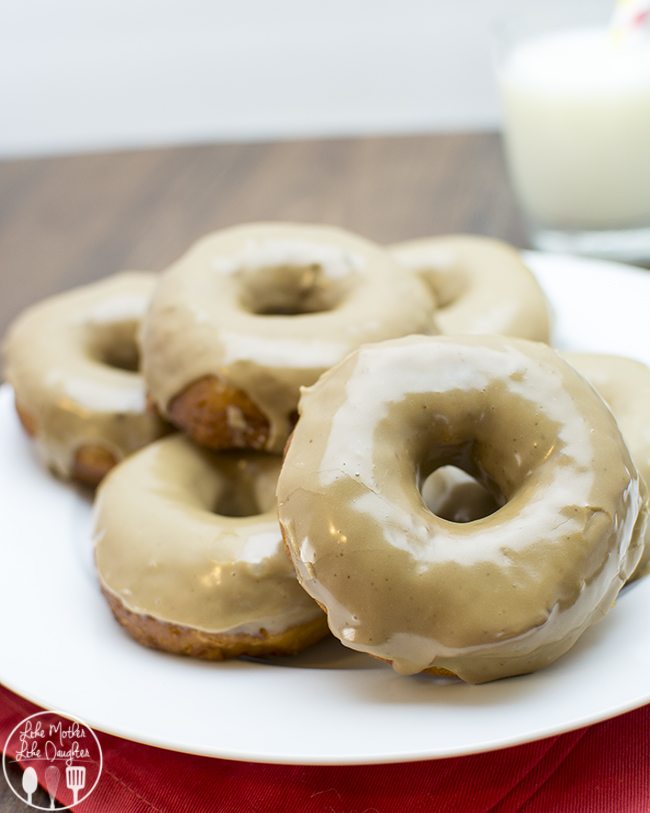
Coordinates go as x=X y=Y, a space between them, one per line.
x=66 y=221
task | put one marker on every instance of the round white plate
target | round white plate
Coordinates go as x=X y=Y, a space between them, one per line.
x=63 y=650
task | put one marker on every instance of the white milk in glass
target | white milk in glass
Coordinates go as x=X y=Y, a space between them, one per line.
x=577 y=127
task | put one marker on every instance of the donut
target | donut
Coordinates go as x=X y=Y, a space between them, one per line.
x=482 y=286
x=190 y=556
x=624 y=384
x=72 y=361
x=503 y=595
x=252 y=313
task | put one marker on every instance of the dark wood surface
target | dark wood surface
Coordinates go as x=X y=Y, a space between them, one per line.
x=65 y=221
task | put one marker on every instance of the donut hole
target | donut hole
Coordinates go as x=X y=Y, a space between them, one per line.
x=116 y=345
x=291 y=290
x=445 y=278
x=123 y=357
x=454 y=495
x=237 y=502
x=245 y=490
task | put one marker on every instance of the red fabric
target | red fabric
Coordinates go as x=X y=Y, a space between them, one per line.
x=601 y=769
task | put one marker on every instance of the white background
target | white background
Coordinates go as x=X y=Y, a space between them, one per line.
x=85 y=74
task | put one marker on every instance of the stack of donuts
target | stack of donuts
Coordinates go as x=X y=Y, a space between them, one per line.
x=453 y=495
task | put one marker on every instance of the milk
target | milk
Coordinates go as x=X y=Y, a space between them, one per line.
x=577 y=129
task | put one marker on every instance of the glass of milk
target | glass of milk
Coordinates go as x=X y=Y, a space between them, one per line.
x=576 y=124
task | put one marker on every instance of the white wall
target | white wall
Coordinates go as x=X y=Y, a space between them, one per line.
x=85 y=74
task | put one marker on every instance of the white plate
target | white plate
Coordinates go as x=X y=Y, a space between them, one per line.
x=62 y=649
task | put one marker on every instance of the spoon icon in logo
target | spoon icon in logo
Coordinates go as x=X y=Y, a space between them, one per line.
x=30 y=783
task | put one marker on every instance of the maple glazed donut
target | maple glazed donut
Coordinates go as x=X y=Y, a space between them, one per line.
x=206 y=574
x=72 y=361
x=482 y=286
x=252 y=313
x=624 y=384
x=503 y=595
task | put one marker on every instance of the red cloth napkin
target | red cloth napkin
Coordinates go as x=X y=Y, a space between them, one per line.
x=601 y=769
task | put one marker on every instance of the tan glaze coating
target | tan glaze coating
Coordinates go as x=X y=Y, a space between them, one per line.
x=624 y=384
x=71 y=360
x=265 y=308
x=501 y=596
x=482 y=286
x=187 y=578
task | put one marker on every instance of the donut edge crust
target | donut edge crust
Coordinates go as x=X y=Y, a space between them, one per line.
x=26 y=420
x=213 y=646
x=91 y=462
x=201 y=411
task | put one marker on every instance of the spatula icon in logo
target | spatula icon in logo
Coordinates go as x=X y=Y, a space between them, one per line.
x=75 y=780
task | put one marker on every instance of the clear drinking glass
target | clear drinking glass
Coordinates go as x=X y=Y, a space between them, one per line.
x=576 y=127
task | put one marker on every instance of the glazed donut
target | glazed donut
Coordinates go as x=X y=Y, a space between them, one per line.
x=72 y=361
x=624 y=384
x=501 y=596
x=190 y=557
x=251 y=313
x=482 y=286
